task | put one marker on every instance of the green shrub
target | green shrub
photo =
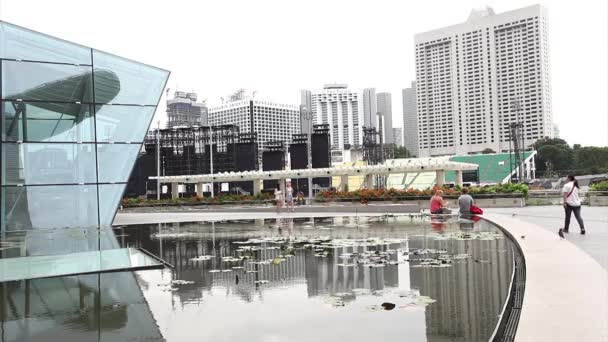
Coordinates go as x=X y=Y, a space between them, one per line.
x=601 y=186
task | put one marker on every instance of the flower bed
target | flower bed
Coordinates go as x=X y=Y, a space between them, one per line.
x=197 y=200
x=365 y=195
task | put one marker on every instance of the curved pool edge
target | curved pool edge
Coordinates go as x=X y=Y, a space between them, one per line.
x=566 y=291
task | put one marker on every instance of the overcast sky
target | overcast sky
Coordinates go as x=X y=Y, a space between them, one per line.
x=279 y=47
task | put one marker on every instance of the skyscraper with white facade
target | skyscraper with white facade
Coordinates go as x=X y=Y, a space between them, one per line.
x=271 y=121
x=346 y=111
x=384 y=105
x=472 y=77
x=410 y=120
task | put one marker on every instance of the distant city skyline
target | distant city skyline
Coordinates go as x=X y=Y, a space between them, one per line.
x=231 y=48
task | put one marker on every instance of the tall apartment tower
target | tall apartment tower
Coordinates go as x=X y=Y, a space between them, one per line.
x=384 y=105
x=183 y=110
x=472 y=78
x=271 y=121
x=346 y=111
x=410 y=120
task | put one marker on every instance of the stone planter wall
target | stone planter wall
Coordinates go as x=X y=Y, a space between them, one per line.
x=598 y=198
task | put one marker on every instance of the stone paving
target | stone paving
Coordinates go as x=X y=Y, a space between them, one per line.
x=594 y=243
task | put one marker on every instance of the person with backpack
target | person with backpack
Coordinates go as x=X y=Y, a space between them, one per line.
x=572 y=203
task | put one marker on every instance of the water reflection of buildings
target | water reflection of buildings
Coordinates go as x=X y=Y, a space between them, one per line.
x=468 y=295
x=76 y=308
x=322 y=275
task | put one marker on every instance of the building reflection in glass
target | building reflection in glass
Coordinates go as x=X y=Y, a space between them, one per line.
x=76 y=308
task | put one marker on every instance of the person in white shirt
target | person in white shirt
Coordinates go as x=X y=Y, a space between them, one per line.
x=279 y=198
x=572 y=203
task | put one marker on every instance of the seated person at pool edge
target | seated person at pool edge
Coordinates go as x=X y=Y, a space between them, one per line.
x=438 y=205
x=465 y=201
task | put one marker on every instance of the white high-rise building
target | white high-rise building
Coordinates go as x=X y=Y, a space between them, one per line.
x=410 y=120
x=271 y=121
x=346 y=111
x=471 y=77
x=398 y=136
x=384 y=104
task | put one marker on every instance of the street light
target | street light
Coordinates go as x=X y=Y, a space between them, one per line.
x=158 y=161
x=211 y=158
x=307 y=115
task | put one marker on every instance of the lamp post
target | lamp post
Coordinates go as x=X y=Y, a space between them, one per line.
x=211 y=158
x=307 y=115
x=158 y=161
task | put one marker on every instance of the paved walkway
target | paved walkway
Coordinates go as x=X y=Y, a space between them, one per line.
x=594 y=243
x=565 y=297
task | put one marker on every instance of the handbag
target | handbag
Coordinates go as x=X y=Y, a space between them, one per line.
x=476 y=210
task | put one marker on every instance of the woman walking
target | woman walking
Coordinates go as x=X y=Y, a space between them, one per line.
x=572 y=203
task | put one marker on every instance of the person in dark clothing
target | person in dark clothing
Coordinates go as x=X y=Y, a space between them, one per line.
x=572 y=203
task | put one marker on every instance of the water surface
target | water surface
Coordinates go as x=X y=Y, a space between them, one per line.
x=322 y=279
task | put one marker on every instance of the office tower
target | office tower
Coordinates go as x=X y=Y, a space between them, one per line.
x=370 y=108
x=184 y=110
x=410 y=120
x=346 y=111
x=305 y=105
x=271 y=121
x=398 y=136
x=384 y=106
x=477 y=78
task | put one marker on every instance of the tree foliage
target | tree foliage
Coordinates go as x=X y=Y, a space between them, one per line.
x=556 y=158
x=402 y=152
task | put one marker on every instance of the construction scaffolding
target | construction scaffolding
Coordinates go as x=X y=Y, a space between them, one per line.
x=375 y=153
x=186 y=151
x=273 y=158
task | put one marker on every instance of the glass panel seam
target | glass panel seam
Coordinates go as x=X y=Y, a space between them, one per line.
x=84 y=142
x=43 y=62
x=8 y=99
x=96 y=156
x=20 y=185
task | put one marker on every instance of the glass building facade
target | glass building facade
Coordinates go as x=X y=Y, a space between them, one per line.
x=73 y=120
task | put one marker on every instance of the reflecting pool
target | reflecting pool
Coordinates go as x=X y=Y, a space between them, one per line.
x=288 y=279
